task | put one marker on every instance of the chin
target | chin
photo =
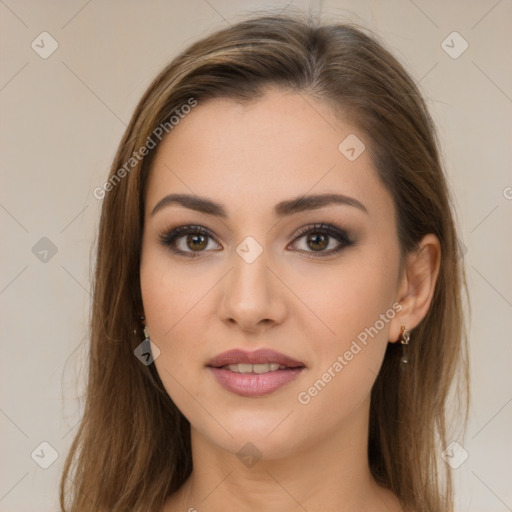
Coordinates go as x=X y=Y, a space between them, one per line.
x=264 y=432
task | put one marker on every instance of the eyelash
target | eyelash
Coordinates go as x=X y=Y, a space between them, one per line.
x=168 y=238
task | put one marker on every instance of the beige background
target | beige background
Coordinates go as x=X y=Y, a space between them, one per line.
x=61 y=120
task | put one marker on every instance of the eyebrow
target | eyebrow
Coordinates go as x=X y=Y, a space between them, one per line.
x=284 y=208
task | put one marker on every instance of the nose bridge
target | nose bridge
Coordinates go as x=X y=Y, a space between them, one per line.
x=252 y=293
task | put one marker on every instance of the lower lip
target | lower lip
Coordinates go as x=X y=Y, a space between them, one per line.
x=254 y=384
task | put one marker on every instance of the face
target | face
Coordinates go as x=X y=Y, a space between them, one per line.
x=304 y=292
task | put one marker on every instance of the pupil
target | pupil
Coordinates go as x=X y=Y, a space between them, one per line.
x=196 y=242
x=315 y=239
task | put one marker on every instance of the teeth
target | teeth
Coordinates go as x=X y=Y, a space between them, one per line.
x=255 y=368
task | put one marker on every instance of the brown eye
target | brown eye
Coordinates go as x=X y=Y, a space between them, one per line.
x=188 y=241
x=318 y=242
x=320 y=236
x=196 y=242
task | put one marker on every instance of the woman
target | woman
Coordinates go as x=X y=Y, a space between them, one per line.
x=277 y=315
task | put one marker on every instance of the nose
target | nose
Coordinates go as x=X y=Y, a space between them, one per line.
x=254 y=298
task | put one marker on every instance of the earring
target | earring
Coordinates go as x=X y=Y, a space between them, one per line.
x=405 y=336
x=146 y=335
x=135 y=331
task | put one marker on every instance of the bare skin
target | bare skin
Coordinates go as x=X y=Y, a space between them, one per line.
x=297 y=297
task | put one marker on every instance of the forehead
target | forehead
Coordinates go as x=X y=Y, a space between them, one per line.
x=245 y=155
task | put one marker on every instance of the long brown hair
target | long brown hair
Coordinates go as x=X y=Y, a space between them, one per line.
x=132 y=448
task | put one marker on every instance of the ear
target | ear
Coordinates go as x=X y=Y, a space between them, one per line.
x=417 y=284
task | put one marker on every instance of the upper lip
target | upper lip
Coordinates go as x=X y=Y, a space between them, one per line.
x=260 y=356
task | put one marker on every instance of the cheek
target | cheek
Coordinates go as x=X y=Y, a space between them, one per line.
x=170 y=293
x=173 y=308
x=341 y=380
x=349 y=299
x=355 y=302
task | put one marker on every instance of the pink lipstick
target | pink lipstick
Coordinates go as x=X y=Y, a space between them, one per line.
x=254 y=374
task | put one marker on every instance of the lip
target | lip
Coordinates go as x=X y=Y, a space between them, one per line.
x=253 y=384
x=260 y=356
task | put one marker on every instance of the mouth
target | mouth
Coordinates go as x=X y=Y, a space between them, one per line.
x=259 y=361
x=254 y=374
x=255 y=368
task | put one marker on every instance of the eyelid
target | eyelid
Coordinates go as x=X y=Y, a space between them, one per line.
x=320 y=226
